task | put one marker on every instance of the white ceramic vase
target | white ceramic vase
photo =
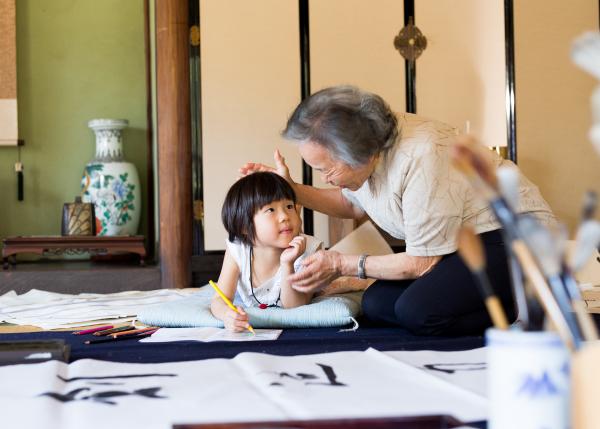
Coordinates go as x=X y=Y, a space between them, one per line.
x=111 y=183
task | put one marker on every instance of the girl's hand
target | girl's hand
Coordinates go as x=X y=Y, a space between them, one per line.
x=319 y=270
x=296 y=248
x=281 y=168
x=236 y=322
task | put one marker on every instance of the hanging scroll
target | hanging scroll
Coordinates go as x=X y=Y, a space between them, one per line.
x=8 y=74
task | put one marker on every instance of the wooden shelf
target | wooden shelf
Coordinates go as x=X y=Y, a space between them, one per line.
x=59 y=245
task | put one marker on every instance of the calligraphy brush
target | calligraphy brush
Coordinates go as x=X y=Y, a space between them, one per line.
x=472 y=253
x=529 y=312
x=586 y=322
x=469 y=159
x=585 y=52
x=587 y=241
x=548 y=254
x=508 y=185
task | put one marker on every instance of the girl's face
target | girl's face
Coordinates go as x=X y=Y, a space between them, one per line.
x=276 y=224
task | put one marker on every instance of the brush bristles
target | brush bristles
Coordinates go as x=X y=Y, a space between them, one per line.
x=473 y=159
x=585 y=52
x=541 y=243
x=508 y=183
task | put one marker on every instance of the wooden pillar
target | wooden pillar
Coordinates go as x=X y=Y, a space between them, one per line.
x=174 y=143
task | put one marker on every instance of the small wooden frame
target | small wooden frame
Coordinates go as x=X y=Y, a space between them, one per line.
x=58 y=245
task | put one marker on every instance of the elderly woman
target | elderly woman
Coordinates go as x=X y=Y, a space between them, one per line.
x=396 y=169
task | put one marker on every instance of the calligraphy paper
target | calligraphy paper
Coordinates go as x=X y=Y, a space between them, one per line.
x=466 y=369
x=250 y=387
x=50 y=310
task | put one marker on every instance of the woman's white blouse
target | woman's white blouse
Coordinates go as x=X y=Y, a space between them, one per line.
x=268 y=292
x=416 y=195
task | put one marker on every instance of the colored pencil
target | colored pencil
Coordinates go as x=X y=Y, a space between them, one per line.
x=92 y=330
x=228 y=302
x=124 y=337
x=113 y=330
x=134 y=331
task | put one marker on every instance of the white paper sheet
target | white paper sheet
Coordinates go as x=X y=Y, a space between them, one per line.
x=250 y=387
x=466 y=369
x=166 y=335
x=50 y=310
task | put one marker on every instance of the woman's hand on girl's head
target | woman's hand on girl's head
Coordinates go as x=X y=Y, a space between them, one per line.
x=319 y=270
x=234 y=321
x=296 y=248
x=280 y=168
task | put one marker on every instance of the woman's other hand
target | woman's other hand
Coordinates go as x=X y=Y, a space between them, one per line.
x=296 y=248
x=234 y=321
x=281 y=168
x=319 y=270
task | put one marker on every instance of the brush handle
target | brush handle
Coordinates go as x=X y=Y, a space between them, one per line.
x=492 y=303
x=494 y=307
x=562 y=299
x=505 y=216
x=518 y=289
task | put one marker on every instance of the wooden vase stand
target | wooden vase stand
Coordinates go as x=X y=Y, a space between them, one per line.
x=72 y=245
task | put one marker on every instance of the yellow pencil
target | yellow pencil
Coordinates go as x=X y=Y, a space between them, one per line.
x=229 y=304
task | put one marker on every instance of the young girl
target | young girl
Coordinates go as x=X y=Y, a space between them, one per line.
x=264 y=247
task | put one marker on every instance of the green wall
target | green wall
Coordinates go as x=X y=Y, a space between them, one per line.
x=76 y=60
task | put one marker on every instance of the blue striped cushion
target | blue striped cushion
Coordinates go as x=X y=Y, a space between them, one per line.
x=194 y=311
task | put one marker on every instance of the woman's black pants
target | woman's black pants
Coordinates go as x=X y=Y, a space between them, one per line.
x=445 y=301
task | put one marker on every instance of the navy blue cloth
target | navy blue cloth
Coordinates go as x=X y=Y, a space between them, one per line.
x=291 y=342
x=445 y=301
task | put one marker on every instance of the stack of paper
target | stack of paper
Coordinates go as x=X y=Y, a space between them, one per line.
x=50 y=310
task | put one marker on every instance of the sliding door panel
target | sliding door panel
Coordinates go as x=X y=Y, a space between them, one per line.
x=352 y=42
x=250 y=82
x=461 y=76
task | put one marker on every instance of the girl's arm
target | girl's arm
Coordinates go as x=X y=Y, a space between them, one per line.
x=290 y=297
x=228 y=283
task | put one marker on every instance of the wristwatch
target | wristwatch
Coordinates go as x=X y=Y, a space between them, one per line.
x=361 y=266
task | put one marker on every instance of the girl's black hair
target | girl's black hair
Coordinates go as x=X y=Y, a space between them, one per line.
x=246 y=197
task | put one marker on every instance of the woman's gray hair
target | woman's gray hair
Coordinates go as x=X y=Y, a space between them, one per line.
x=353 y=125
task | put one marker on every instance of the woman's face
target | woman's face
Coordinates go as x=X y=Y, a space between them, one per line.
x=332 y=171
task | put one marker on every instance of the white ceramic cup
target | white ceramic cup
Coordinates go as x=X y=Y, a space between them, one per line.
x=528 y=380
